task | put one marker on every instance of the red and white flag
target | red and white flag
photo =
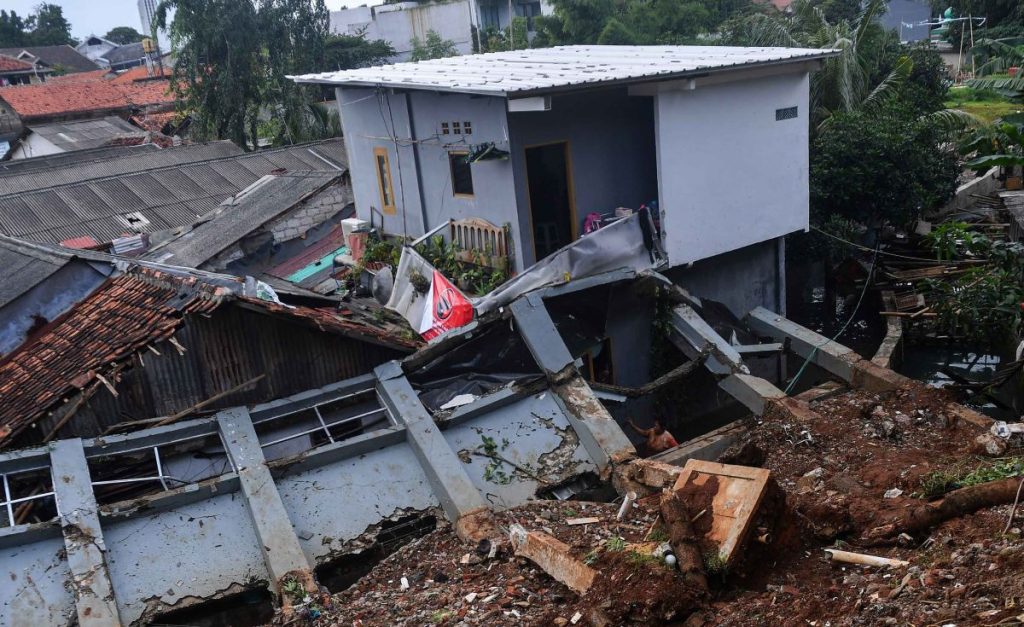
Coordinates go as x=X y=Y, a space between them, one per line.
x=444 y=308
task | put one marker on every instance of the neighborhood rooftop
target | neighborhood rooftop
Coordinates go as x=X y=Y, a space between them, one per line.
x=105 y=208
x=546 y=70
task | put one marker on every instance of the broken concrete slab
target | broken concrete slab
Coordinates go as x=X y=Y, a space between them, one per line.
x=701 y=337
x=553 y=556
x=753 y=392
x=282 y=553
x=83 y=536
x=730 y=495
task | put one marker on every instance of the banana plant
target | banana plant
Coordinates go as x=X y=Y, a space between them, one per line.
x=1001 y=144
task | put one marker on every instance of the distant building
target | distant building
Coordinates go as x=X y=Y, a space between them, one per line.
x=60 y=59
x=48 y=139
x=17 y=72
x=457 y=21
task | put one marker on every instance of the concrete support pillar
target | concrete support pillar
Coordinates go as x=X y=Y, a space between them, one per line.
x=597 y=430
x=460 y=499
x=83 y=537
x=282 y=553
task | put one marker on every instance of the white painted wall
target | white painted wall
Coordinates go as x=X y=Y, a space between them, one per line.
x=399 y=23
x=729 y=174
x=34 y=145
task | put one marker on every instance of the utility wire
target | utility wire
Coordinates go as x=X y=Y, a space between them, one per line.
x=882 y=252
x=864 y=290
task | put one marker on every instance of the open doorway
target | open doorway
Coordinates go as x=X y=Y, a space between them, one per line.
x=552 y=211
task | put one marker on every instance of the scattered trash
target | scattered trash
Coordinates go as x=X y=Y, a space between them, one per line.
x=1004 y=430
x=893 y=493
x=865 y=560
x=469 y=598
x=459 y=401
x=572 y=522
x=627 y=503
x=576 y=618
x=405 y=583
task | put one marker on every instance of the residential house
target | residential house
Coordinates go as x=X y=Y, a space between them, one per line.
x=95 y=48
x=48 y=139
x=459 y=21
x=17 y=72
x=550 y=142
x=95 y=202
x=206 y=337
x=282 y=228
x=60 y=59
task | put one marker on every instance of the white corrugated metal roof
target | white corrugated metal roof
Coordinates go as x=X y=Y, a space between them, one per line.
x=546 y=70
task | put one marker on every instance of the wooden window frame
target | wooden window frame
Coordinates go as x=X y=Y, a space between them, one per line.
x=451 y=172
x=389 y=209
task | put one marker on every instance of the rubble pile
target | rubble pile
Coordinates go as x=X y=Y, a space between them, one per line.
x=857 y=462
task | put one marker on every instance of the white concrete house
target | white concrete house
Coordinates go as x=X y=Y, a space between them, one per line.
x=455 y=20
x=715 y=138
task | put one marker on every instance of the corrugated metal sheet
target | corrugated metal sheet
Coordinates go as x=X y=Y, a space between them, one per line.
x=545 y=70
x=171 y=196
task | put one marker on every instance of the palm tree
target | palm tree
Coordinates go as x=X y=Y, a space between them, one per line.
x=843 y=84
x=996 y=57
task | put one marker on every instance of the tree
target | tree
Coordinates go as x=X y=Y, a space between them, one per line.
x=123 y=35
x=12 y=30
x=883 y=165
x=346 y=52
x=48 y=27
x=615 y=33
x=233 y=59
x=434 y=47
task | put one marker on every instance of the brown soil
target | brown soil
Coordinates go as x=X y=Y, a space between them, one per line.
x=831 y=476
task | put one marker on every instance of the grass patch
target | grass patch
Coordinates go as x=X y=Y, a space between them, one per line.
x=714 y=564
x=658 y=535
x=615 y=544
x=440 y=616
x=938 y=483
x=643 y=559
x=985 y=104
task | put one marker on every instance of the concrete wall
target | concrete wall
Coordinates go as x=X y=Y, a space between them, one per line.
x=611 y=152
x=35 y=145
x=399 y=23
x=730 y=175
x=367 y=125
x=904 y=16
x=51 y=298
x=741 y=280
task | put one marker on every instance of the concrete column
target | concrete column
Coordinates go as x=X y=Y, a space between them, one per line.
x=83 y=537
x=723 y=358
x=459 y=498
x=282 y=553
x=596 y=428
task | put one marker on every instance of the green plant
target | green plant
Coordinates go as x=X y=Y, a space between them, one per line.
x=615 y=544
x=953 y=240
x=658 y=535
x=439 y=616
x=715 y=565
x=432 y=47
x=935 y=484
x=643 y=559
x=939 y=482
x=591 y=558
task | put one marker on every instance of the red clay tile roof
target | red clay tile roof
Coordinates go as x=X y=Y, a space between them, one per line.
x=140 y=73
x=89 y=91
x=98 y=336
x=78 y=77
x=127 y=314
x=10 y=64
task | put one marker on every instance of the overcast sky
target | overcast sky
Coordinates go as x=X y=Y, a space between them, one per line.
x=99 y=16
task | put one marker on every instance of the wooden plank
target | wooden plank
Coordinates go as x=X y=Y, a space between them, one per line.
x=735 y=493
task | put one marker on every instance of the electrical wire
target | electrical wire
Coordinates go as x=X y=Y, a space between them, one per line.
x=814 y=351
x=888 y=254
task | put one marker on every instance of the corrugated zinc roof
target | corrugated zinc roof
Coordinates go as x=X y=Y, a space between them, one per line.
x=86 y=133
x=25 y=265
x=240 y=215
x=548 y=70
x=153 y=200
x=61 y=160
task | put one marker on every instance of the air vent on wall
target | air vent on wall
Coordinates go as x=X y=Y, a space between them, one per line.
x=785 y=114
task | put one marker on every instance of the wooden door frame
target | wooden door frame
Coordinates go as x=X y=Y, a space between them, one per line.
x=573 y=221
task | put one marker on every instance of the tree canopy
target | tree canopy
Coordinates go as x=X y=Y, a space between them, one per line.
x=46 y=26
x=233 y=59
x=433 y=47
x=123 y=35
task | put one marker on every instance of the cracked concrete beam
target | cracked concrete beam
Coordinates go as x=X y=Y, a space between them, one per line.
x=538 y=331
x=83 y=537
x=753 y=392
x=832 y=356
x=698 y=334
x=837 y=359
x=282 y=553
x=459 y=498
